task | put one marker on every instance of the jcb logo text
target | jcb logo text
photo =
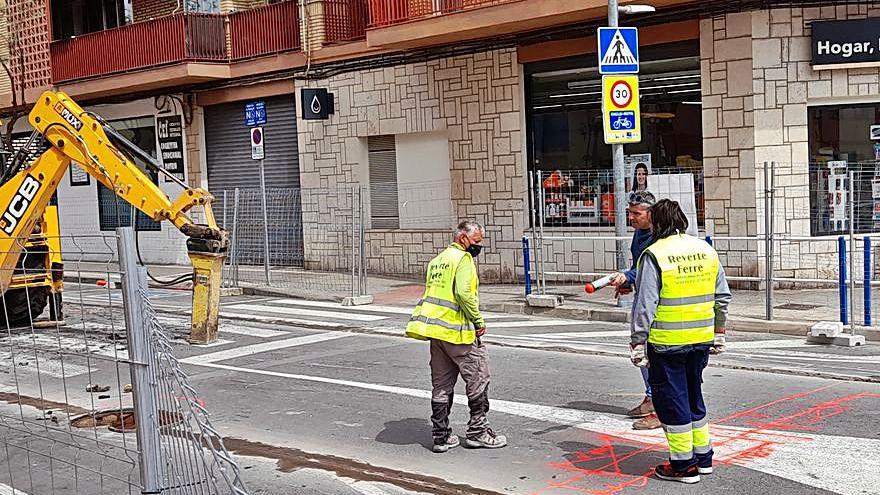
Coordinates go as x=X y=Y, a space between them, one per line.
x=26 y=193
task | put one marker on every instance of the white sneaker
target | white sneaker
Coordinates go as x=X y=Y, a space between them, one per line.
x=487 y=440
x=705 y=470
x=451 y=443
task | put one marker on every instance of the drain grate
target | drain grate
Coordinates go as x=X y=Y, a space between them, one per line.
x=797 y=307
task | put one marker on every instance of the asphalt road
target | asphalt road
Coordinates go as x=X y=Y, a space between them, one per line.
x=315 y=398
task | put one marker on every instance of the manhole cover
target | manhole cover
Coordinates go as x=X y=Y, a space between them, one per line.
x=798 y=307
x=119 y=420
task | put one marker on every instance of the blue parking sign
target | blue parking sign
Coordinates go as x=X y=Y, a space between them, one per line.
x=618 y=50
x=255 y=113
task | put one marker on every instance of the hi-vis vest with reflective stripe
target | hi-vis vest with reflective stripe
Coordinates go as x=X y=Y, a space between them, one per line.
x=688 y=272
x=438 y=315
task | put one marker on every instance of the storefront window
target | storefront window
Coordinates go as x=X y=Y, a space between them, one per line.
x=567 y=141
x=840 y=143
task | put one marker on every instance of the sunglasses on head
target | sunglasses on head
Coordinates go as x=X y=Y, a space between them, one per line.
x=641 y=198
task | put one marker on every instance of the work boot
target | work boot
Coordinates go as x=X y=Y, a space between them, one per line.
x=486 y=440
x=666 y=472
x=649 y=422
x=451 y=442
x=642 y=410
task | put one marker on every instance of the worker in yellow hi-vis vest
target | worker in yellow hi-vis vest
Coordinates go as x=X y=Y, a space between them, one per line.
x=448 y=315
x=678 y=319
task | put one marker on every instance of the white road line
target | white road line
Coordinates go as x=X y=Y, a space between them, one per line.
x=807 y=356
x=274 y=345
x=793 y=456
x=216 y=343
x=576 y=335
x=766 y=344
x=536 y=323
x=537 y=343
x=8 y=490
x=278 y=319
x=263 y=333
x=731 y=345
x=398 y=310
x=363 y=487
x=336 y=315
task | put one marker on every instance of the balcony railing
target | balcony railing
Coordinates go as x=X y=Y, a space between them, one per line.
x=388 y=12
x=189 y=37
x=345 y=20
x=263 y=30
x=153 y=43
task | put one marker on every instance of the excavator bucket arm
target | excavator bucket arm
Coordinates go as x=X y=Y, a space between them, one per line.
x=78 y=136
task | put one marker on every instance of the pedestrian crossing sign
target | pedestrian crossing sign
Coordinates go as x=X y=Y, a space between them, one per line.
x=618 y=50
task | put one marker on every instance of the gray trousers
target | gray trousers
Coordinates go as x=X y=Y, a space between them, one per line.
x=471 y=361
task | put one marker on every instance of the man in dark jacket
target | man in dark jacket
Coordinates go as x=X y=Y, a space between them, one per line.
x=638 y=213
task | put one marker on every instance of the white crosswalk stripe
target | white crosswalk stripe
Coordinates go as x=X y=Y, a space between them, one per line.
x=288 y=311
x=398 y=310
x=326 y=314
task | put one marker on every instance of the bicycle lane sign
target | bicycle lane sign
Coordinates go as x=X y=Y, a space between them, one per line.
x=620 y=109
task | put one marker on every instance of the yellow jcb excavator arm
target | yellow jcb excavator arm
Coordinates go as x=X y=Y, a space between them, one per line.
x=78 y=136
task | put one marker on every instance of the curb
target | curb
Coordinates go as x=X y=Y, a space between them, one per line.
x=735 y=323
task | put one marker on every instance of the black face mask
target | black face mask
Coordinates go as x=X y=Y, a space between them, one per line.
x=474 y=250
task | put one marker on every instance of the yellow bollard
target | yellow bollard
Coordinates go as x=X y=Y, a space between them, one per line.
x=207 y=278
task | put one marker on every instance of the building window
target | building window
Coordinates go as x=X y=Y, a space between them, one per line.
x=114 y=211
x=566 y=137
x=78 y=17
x=840 y=143
x=382 y=154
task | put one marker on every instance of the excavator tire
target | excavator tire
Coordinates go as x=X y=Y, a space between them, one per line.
x=15 y=306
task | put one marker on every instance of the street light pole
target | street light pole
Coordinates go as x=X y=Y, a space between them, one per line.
x=619 y=179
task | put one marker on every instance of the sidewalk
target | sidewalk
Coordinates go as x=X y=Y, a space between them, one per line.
x=794 y=311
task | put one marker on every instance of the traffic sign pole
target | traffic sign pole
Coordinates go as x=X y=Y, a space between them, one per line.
x=619 y=171
x=258 y=153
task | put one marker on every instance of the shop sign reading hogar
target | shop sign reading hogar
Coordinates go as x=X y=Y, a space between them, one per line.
x=846 y=44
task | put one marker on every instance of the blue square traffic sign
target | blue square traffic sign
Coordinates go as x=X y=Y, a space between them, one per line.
x=255 y=113
x=622 y=120
x=618 y=50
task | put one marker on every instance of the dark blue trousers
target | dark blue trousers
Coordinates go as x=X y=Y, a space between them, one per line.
x=676 y=380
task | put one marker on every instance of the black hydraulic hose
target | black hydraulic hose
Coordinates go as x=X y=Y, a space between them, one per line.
x=175 y=281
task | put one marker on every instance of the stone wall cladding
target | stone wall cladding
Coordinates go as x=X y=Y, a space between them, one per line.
x=785 y=84
x=726 y=60
x=744 y=127
x=476 y=100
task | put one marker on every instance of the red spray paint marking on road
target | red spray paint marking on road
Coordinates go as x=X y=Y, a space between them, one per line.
x=604 y=461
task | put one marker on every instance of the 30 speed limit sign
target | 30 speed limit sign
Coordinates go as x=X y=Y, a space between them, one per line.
x=620 y=109
x=621 y=94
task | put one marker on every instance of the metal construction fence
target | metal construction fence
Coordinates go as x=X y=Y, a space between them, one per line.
x=97 y=403
x=315 y=240
x=816 y=226
x=294 y=239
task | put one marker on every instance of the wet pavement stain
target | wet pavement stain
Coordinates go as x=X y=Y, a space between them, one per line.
x=291 y=459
